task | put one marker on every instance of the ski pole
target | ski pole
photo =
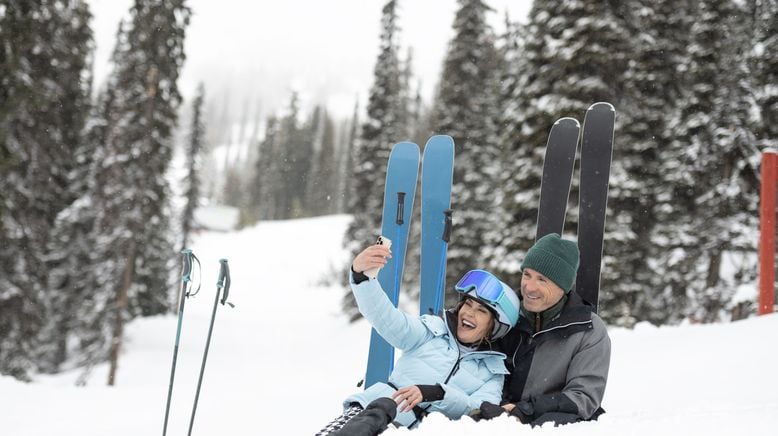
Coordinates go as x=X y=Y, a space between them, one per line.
x=222 y=283
x=186 y=280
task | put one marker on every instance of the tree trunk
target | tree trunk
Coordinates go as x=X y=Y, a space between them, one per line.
x=121 y=305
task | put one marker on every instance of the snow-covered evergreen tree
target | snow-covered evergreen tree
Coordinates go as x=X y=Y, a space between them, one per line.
x=192 y=179
x=44 y=100
x=80 y=310
x=262 y=200
x=465 y=109
x=653 y=84
x=134 y=256
x=322 y=184
x=346 y=152
x=716 y=198
x=512 y=72
x=765 y=69
x=383 y=127
x=299 y=144
x=573 y=56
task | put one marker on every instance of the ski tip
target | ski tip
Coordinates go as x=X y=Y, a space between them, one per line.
x=602 y=106
x=435 y=138
x=406 y=145
x=568 y=122
x=440 y=141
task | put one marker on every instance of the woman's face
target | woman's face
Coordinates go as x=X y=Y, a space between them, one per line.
x=474 y=322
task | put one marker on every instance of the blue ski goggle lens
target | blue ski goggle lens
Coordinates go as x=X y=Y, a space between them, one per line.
x=485 y=284
x=488 y=288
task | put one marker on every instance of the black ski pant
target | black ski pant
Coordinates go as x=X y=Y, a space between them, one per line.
x=373 y=420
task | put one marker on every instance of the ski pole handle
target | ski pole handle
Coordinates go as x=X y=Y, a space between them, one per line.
x=186 y=272
x=224 y=280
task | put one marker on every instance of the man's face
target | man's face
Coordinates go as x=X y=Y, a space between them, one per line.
x=538 y=292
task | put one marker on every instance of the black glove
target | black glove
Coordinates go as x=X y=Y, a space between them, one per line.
x=489 y=410
x=431 y=392
x=558 y=402
x=523 y=411
x=528 y=411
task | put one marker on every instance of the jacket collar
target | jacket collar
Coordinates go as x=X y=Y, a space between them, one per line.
x=574 y=312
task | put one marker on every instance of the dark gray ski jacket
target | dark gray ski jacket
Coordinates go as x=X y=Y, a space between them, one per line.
x=570 y=356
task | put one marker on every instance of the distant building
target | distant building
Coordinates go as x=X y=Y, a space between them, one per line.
x=216 y=217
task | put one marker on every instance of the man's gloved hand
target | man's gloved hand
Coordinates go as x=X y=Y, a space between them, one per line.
x=489 y=410
x=524 y=411
x=528 y=411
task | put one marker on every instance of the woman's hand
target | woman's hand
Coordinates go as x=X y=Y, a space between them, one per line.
x=410 y=395
x=371 y=257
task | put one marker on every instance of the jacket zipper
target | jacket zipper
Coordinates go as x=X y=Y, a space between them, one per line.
x=456 y=366
x=521 y=339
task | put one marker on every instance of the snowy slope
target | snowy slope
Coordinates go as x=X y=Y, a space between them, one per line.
x=282 y=360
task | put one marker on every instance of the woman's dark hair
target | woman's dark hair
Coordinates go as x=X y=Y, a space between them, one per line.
x=488 y=338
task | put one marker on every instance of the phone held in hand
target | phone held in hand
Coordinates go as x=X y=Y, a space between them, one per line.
x=382 y=240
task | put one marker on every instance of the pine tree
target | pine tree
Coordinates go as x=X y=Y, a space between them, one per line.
x=765 y=69
x=512 y=72
x=347 y=155
x=573 y=55
x=465 y=109
x=382 y=128
x=717 y=152
x=292 y=162
x=321 y=191
x=267 y=174
x=71 y=282
x=638 y=192
x=45 y=49
x=133 y=250
x=192 y=180
x=234 y=193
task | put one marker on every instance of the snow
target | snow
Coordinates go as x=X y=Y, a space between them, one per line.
x=283 y=359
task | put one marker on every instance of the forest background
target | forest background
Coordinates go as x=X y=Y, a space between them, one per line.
x=94 y=203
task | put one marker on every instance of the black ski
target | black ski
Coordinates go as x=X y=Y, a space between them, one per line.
x=596 y=153
x=558 y=166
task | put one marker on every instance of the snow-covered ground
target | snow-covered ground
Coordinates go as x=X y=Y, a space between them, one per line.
x=283 y=359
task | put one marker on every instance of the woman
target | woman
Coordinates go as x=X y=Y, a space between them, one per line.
x=447 y=364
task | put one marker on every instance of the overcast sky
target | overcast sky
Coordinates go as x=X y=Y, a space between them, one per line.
x=250 y=52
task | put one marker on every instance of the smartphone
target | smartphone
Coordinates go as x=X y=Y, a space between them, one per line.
x=382 y=240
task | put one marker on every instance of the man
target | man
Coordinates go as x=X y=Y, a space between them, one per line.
x=559 y=352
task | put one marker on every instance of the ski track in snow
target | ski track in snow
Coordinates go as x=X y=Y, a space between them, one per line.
x=284 y=358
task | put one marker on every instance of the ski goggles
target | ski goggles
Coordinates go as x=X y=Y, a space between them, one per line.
x=490 y=289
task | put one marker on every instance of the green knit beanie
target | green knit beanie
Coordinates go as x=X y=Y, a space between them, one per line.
x=555 y=258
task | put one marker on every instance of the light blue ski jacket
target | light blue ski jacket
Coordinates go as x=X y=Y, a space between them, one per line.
x=430 y=355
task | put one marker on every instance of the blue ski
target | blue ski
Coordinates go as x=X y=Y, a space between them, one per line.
x=402 y=174
x=437 y=171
